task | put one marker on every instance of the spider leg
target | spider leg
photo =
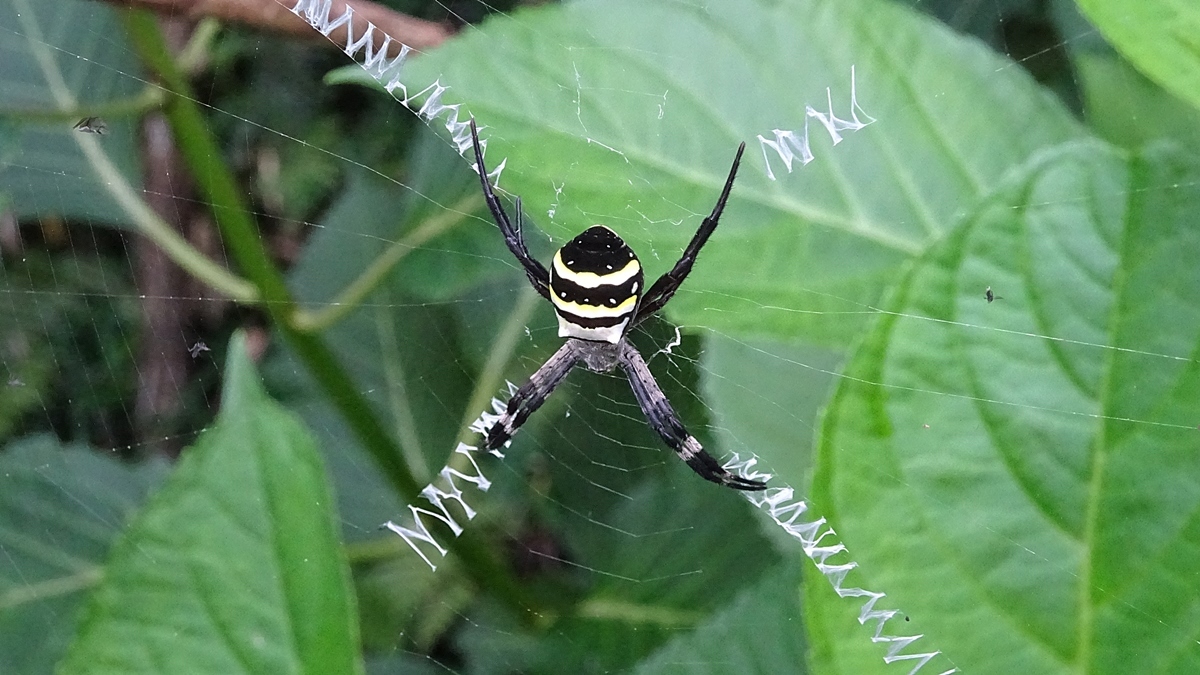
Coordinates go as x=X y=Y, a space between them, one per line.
x=538 y=276
x=532 y=395
x=663 y=419
x=666 y=285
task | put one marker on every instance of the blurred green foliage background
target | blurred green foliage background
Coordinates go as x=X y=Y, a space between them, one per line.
x=202 y=431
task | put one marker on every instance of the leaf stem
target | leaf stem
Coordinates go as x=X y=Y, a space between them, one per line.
x=610 y=609
x=148 y=222
x=377 y=271
x=149 y=99
x=39 y=591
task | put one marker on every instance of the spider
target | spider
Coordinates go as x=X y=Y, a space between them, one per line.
x=595 y=284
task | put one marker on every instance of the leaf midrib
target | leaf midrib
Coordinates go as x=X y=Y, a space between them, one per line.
x=1087 y=610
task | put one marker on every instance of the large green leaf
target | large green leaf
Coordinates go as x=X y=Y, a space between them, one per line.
x=235 y=565
x=1160 y=37
x=760 y=632
x=1023 y=476
x=658 y=567
x=629 y=112
x=765 y=398
x=60 y=508
x=1126 y=109
x=47 y=172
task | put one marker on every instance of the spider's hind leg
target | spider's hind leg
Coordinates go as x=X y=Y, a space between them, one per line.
x=664 y=420
x=532 y=395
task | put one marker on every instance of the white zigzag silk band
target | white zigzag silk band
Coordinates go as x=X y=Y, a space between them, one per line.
x=793 y=145
x=426 y=102
x=820 y=543
x=818 y=540
x=413 y=529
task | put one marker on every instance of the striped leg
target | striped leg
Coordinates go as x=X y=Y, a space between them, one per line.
x=665 y=421
x=538 y=276
x=532 y=395
x=660 y=293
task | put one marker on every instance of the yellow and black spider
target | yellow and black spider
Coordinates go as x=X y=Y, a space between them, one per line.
x=596 y=285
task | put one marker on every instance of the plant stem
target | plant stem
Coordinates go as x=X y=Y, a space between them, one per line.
x=204 y=159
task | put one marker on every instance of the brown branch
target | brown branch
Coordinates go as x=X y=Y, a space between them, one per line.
x=162 y=359
x=275 y=16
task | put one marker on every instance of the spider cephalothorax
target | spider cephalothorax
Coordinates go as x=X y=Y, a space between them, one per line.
x=596 y=286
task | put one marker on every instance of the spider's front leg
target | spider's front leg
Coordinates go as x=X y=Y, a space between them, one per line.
x=664 y=288
x=537 y=273
x=663 y=419
x=532 y=395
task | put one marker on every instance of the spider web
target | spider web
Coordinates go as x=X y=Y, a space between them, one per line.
x=665 y=571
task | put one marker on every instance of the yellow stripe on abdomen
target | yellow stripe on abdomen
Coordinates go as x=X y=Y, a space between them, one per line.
x=593 y=280
x=594 y=311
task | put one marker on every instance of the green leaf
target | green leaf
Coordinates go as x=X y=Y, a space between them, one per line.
x=405 y=605
x=765 y=398
x=235 y=565
x=373 y=216
x=657 y=567
x=632 y=111
x=48 y=173
x=1129 y=110
x=1160 y=37
x=60 y=508
x=1021 y=476
x=759 y=632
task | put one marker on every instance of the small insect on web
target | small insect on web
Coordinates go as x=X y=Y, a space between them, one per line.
x=595 y=284
x=91 y=125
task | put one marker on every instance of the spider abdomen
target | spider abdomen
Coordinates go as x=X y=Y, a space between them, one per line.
x=595 y=284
